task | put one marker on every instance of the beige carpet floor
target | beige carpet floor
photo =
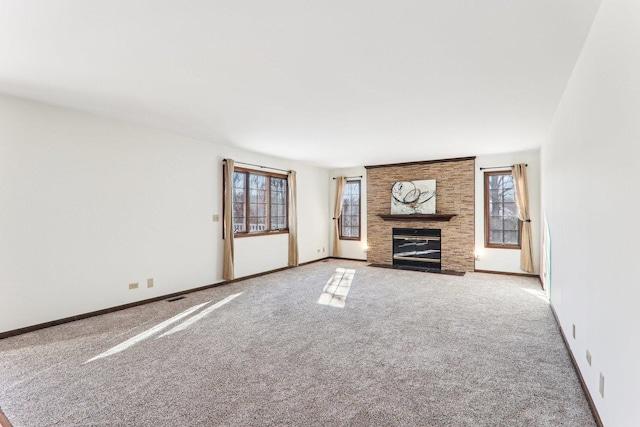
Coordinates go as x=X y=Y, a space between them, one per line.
x=406 y=349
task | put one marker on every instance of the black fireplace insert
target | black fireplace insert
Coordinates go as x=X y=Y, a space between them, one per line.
x=417 y=248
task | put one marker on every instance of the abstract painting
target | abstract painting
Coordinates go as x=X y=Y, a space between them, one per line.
x=413 y=197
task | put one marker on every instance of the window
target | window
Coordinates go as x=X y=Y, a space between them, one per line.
x=259 y=202
x=502 y=226
x=350 y=218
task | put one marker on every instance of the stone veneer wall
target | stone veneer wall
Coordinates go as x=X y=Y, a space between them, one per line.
x=455 y=188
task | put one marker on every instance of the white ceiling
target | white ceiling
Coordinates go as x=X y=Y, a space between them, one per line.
x=333 y=83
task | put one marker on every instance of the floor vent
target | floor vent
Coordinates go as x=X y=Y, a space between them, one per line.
x=176 y=298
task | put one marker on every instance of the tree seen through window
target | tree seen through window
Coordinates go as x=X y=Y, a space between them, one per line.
x=502 y=226
x=259 y=202
x=350 y=218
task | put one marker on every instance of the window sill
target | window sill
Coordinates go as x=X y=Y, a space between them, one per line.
x=353 y=239
x=503 y=246
x=260 y=233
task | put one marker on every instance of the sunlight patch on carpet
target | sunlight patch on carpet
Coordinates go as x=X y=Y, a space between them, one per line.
x=184 y=325
x=337 y=288
x=537 y=293
x=159 y=327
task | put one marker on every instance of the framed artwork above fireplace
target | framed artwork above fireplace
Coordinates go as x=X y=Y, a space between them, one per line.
x=413 y=197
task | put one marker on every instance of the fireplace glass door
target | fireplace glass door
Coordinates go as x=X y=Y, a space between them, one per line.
x=417 y=248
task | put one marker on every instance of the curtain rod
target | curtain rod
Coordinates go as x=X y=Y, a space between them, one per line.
x=358 y=176
x=499 y=167
x=259 y=166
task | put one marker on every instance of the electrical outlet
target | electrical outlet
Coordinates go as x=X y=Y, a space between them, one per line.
x=601 y=384
x=150 y=283
x=322 y=249
x=318 y=250
x=133 y=285
x=574 y=332
x=588 y=358
x=216 y=218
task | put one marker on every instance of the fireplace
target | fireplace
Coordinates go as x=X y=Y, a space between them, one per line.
x=416 y=248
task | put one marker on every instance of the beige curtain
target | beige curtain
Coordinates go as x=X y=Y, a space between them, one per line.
x=293 y=219
x=227 y=269
x=519 y=172
x=341 y=181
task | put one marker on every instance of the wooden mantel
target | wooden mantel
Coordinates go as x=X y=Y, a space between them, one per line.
x=418 y=217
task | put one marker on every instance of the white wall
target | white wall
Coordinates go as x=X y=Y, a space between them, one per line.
x=508 y=260
x=350 y=248
x=590 y=193
x=90 y=205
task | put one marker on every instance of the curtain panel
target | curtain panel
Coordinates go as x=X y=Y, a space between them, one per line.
x=227 y=268
x=293 y=219
x=341 y=181
x=519 y=172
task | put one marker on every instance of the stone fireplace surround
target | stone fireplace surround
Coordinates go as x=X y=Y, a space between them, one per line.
x=455 y=195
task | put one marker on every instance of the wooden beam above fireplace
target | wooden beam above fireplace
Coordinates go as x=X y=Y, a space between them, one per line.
x=418 y=217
